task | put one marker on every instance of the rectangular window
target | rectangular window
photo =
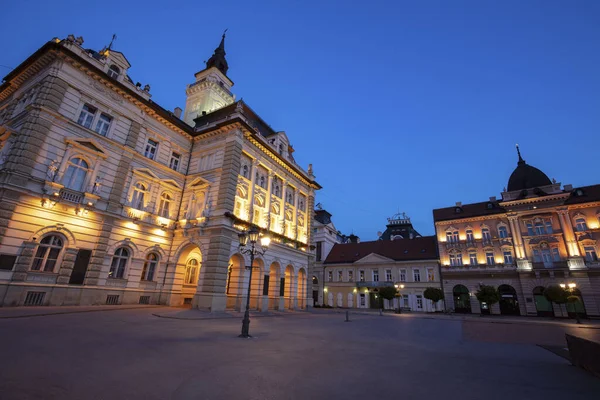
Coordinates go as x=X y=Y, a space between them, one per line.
x=329 y=276
x=319 y=250
x=555 y=254
x=375 y=275
x=485 y=233
x=174 y=163
x=87 y=116
x=430 y=275
x=590 y=254
x=473 y=258
x=151 y=148
x=405 y=300
x=340 y=275
x=549 y=229
x=351 y=276
x=402 y=275
x=103 y=124
x=416 y=275
x=530 y=231
x=361 y=276
x=419 y=302
x=502 y=232
x=536 y=256
x=581 y=224
x=362 y=300
x=489 y=258
x=539 y=229
x=456 y=259
x=388 y=275
x=469 y=235
x=508 y=258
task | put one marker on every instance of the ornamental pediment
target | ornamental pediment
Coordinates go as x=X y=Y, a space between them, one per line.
x=373 y=258
x=88 y=145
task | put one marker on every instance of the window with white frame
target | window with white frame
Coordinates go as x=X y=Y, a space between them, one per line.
x=430 y=275
x=452 y=236
x=416 y=275
x=470 y=235
x=539 y=228
x=175 y=160
x=329 y=276
x=473 y=258
x=340 y=276
x=361 y=275
x=590 y=253
x=375 y=273
x=103 y=124
x=456 y=259
x=419 y=302
x=580 y=224
x=164 y=208
x=388 y=275
x=47 y=254
x=489 y=258
x=530 y=230
x=502 y=232
x=402 y=275
x=75 y=174
x=485 y=234
x=86 y=117
x=351 y=276
x=362 y=300
x=114 y=71
x=151 y=149
x=191 y=269
x=508 y=258
x=405 y=302
x=149 y=267
x=119 y=263
x=138 y=198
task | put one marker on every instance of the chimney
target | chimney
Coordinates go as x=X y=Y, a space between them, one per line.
x=459 y=204
x=493 y=198
x=177 y=112
x=568 y=188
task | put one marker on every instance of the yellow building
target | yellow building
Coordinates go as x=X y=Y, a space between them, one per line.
x=539 y=234
x=108 y=198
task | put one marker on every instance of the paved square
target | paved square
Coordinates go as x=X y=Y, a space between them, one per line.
x=132 y=354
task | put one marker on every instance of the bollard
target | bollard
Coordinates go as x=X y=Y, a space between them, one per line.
x=347 y=316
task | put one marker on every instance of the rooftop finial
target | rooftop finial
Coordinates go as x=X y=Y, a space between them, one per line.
x=218 y=58
x=521 y=161
x=114 y=36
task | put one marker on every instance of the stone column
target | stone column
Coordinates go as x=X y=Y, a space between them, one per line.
x=568 y=234
x=253 y=171
x=99 y=254
x=516 y=234
x=283 y=204
x=295 y=215
x=24 y=261
x=268 y=199
x=66 y=266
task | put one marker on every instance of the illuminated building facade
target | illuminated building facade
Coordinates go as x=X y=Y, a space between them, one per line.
x=538 y=234
x=107 y=198
x=354 y=272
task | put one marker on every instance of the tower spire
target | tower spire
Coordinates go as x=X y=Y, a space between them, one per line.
x=521 y=161
x=218 y=60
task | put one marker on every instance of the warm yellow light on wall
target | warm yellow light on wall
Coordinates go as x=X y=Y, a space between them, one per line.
x=593 y=225
x=499 y=261
x=477 y=235
x=462 y=237
x=131 y=225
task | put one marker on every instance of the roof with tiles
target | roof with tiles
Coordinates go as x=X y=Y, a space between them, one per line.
x=422 y=248
x=468 y=211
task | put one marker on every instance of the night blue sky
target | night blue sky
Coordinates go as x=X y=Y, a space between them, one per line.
x=400 y=106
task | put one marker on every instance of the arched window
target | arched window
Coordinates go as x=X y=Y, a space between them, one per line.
x=139 y=192
x=191 y=269
x=47 y=254
x=502 y=232
x=149 y=267
x=119 y=262
x=114 y=71
x=164 y=207
x=580 y=224
x=75 y=174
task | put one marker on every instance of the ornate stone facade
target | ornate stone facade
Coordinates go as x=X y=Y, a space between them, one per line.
x=107 y=198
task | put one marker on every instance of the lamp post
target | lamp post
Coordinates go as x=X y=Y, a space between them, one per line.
x=251 y=236
x=571 y=290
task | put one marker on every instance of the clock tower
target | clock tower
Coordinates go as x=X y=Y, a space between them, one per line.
x=212 y=89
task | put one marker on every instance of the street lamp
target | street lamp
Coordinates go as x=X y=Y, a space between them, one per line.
x=251 y=236
x=572 y=286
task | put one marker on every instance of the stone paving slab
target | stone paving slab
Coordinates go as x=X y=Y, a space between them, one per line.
x=195 y=314
x=23 y=312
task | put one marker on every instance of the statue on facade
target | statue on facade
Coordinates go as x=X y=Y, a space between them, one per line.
x=52 y=171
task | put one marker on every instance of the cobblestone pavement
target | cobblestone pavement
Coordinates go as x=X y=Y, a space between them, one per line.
x=133 y=354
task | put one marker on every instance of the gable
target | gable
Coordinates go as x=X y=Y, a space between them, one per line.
x=373 y=258
x=88 y=145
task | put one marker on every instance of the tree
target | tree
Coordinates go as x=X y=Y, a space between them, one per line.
x=388 y=293
x=433 y=294
x=574 y=300
x=488 y=294
x=556 y=294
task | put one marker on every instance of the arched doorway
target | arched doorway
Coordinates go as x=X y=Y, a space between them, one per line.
x=288 y=292
x=274 y=286
x=578 y=307
x=256 y=288
x=235 y=287
x=462 y=299
x=188 y=271
x=509 y=304
x=542 y=305
x=301 y=292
